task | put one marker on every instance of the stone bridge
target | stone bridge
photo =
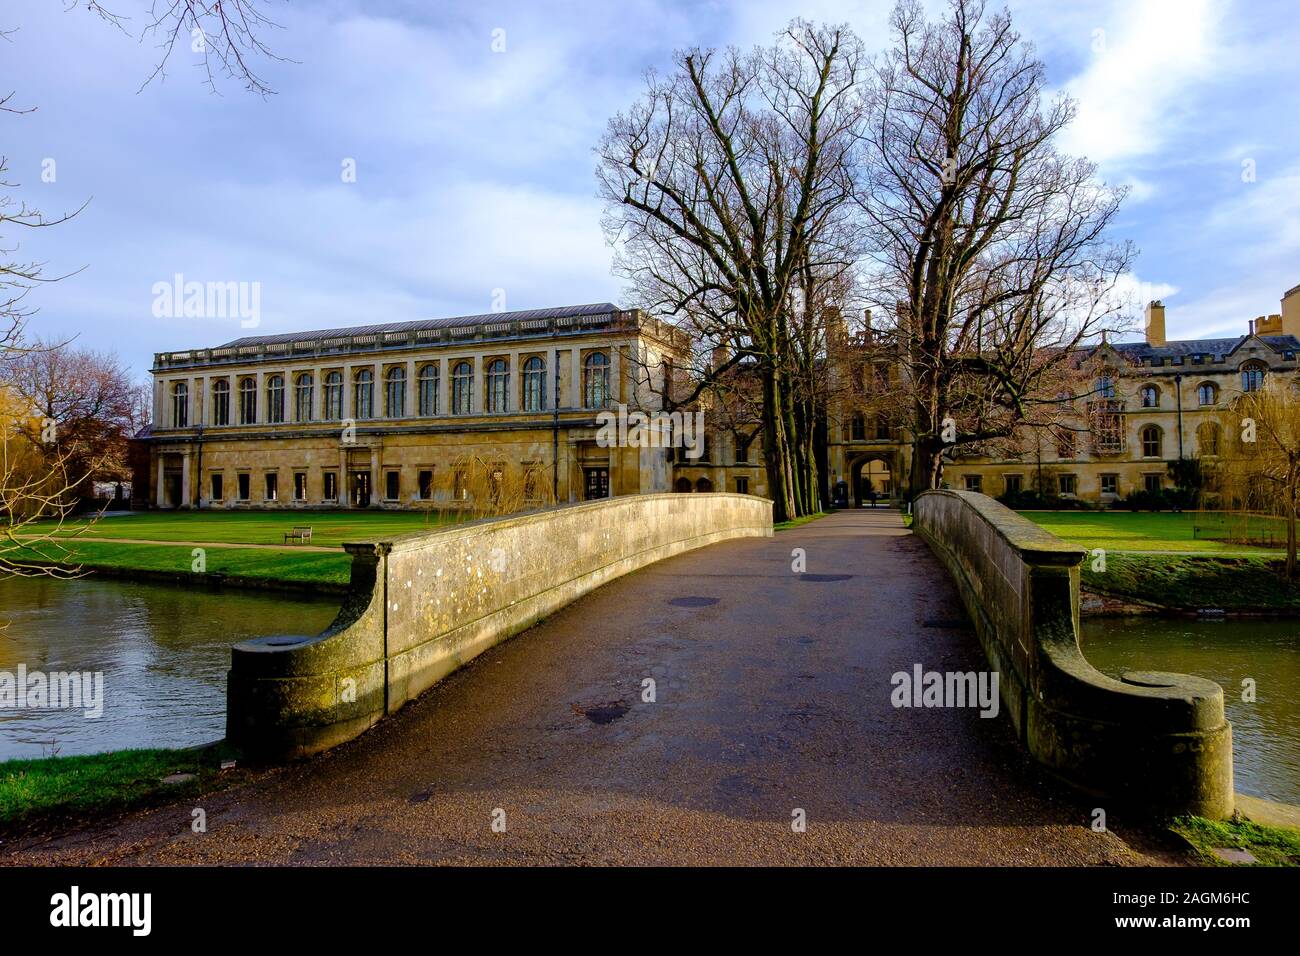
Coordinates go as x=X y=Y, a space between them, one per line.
x=726 y=704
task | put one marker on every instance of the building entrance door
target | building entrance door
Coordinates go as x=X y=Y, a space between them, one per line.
x=172 y=489
x=360 y=496
x=597 y=483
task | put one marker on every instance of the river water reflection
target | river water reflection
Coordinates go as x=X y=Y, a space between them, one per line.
x=163 y=649
x=1266 y=733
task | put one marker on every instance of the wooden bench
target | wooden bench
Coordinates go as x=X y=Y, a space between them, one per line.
x=299 y=534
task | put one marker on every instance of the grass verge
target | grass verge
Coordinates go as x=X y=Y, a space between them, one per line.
x=796 y=522
x=234 y=565
x=64 y=788
x=1271 y=846
x=1192 y=582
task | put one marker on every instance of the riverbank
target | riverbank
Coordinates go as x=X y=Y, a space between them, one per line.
x=56 y=792
x=1189 y=584
x=268 y=569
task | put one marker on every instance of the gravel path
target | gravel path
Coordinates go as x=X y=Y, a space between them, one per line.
x=772 y=696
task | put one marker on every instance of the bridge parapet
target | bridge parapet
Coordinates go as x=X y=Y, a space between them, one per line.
x=420 y=606
x=1153 y=740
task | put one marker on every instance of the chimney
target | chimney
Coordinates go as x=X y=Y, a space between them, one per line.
x=1291 y=312
x=1156 y=324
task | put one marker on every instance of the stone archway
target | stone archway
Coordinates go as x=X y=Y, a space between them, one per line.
x=682 y=485
x=703 y=485
x=872 y=471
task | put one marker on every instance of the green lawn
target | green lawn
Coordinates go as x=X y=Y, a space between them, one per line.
x=1197 y=532
x=329 y=528
x=62 y=787
x=253 y=564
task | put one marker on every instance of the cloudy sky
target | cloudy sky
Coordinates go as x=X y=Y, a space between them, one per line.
x=474 y=166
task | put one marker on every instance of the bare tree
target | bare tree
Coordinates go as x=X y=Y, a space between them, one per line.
x=1262 y=472
x=64 y=415
x=988 y=245
x=226 y=35
x=727 y=190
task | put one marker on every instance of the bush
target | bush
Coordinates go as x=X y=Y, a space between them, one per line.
x=1036 y=501
x=1167 y=499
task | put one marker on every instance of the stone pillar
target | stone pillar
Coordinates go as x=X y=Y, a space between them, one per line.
x=343 y=498
x=575 y=382
x=317 y=394
x=615 y=381
x=480 y=385
x=412 y=407
x=374 y=474
x=259 y=400
x=348 y=390
x=161 y=493
x=185 y=478
x=444 y=385
x=550 y=398
x=516 y=383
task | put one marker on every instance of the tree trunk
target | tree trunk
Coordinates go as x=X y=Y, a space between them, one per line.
x=1293 y=478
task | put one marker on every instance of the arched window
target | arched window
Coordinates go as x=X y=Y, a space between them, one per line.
x=429 y=389
x=1105 y=386
x=395 y=392
x=534 y=384
x=1252 y=377
x=595 y=380
x=682 y=485
x=221 y=402
x=180 y=405
x=303 y=386
x=247 y=401
x=1207 y=438
x=275 y=399
x=1207 y=393
x=498 y=386
x=363 y=394
x=462 y=389
x=332 y=407
x=1151 y=441
x=703 y=485
x=1150 y=396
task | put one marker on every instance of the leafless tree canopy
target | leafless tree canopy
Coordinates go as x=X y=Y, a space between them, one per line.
x=226 y=35
x=990 y=244
x=728 y=192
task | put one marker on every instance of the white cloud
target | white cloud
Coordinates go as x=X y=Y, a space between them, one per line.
x=1146 y=59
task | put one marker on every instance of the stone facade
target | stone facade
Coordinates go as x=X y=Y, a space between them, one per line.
x=409 y=415
x=448 y=412
x=1151 y=403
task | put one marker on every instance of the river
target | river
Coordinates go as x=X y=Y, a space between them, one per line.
x=163 y=651
x=1266 y=732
